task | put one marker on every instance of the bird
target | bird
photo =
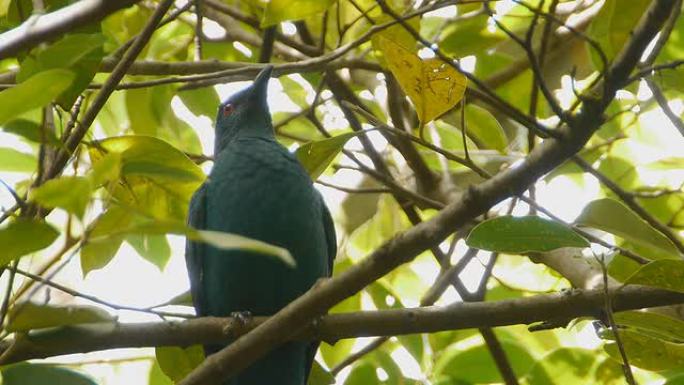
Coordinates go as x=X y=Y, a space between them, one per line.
x=258 y=189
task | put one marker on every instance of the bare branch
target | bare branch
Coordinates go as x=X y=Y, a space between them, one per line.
x=93 y=337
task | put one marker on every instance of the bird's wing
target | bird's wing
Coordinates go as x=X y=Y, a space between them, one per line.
x=330 y=236
x=194 y=251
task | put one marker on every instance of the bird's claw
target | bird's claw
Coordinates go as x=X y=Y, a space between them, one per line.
x=243 y=318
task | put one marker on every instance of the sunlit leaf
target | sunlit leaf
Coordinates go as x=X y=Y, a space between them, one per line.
x=647 y=352
x=612 y=216
x=154 y=248
x=485 y=130
x=480 y=364
x=510 y=234
x=30 y=131
x=563 y=366
x=107 y=169
x=612 y=26
x=320 y=376
x=104 y=239
x=433 y=86
x=653 y=324
x=71 y=193
x=80 y=53
x=41 y=374
x=37 y=91
x=24 y=236
x=316 y=156
x=157 y=376
x=229 y=241
x=283 y=10
x=177 y=362
x=28 y=315
x=16 y=161
x=665 y=273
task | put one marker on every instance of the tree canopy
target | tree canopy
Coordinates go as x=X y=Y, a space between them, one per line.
x=505 y=177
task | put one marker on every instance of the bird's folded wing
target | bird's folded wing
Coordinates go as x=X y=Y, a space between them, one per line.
x=194 y=250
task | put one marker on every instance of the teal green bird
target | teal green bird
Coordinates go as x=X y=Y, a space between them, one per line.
x=258 y=189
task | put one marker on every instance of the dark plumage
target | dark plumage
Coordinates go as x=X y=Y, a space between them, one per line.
x=258 y=189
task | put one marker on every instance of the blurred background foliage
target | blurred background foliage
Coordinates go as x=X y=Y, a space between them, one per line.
x=116 y=228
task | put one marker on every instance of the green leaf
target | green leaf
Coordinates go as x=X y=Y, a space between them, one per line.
x=283 y=10
x=104 y=238
x=470 y=37
x=563 y=366
x=29 y=130
x=316 y=156
x=157 y=376
x=612 y=26
x=71 y=193
x=508 y=234
x=653 y=324
x=28 y=316
x=182 y=299
x=613 y=217
x=24 y=236
x=41 y=374
x=80 y=53
x=320 y=376
x=106 y=169
x=648 y=352
x=12 y=160
x=480 y=364
x=177 y=362
x=154 y=248
x=201 y=101
x=37 y=91
x=485 y=129
x=157 y=179
x=228 y=241
x=665 y=273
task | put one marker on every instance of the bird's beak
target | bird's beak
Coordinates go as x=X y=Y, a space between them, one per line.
x=261 y=81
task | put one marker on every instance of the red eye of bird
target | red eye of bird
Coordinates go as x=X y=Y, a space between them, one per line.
x=228 y=109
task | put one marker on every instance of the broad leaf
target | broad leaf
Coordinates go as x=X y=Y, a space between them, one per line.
x=71 y=193
x=30 y=131
x=104 y=239
x=282 y=10
x=177 y=362
x=28 y=316
x=24 y=236
x=16 y=161
x=433 y=86
x=228 y=241
x=80 y=53
x=320 y=376
x=613 y=217
x=612 y=26
x=153 y=247
x=42 y=374
x=37 y=91
x=648 y=352
x=653 y=324
x=563 y=366
x=480 y=364
x=508 y=234
x=665 y=273
x=316 y=156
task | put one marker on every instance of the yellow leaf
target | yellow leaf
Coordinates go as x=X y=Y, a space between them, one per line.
x=433 y=86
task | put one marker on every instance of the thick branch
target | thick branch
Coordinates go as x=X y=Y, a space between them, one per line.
x=88 y=338
x=39 y=28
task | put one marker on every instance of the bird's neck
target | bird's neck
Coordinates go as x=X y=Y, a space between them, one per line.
x=263 y=130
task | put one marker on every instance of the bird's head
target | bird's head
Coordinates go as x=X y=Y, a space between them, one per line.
x=245 y=113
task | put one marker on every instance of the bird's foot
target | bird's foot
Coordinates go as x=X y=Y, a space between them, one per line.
x=243 y=318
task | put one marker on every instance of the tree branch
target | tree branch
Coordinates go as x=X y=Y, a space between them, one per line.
x=40 y=28
x=92 y=337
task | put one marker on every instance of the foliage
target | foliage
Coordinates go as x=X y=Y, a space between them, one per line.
x=125 y=190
